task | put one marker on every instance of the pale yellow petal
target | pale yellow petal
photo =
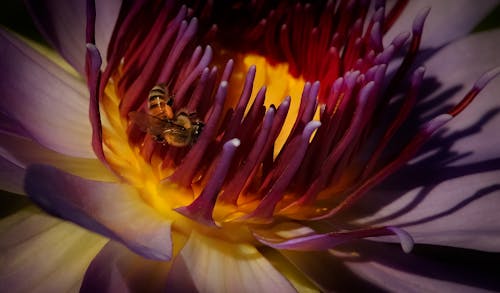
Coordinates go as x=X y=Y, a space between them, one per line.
x=39 y=253
x=221 y=266
x=23 y=152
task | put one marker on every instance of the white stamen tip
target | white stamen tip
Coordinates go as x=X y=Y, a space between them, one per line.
x=436 y=123
x=234 y=142
x=405 y=238
x=487 y=77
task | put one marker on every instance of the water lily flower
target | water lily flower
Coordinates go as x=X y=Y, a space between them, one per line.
x=286 y=146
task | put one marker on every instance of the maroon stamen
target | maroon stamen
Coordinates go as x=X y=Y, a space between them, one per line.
x=254 y=117
x=406 y=154
x=234 y=124
x=357 y=124
x=312 y=177
x=478 y=86
x=202 y=207
x=228 y=70
x=403 y=113
x=142 y=81
x=177 y=49
x=92 y=68
x=180 y=96
x=233 y=189
x=315 y=242
x=142 y=54
x=184 y=173
x=93 y=64
x=417 y=29
x=265 y=209
x=394 y=13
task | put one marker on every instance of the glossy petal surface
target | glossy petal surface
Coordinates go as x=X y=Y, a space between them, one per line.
x=63 y=24
x=448 y=19
x=22 y=152
x=113 y=210
x=220 y=266
x=11 y=177
x=117 y=269
x=39 y=252
x=50 y=104
x=453 y=185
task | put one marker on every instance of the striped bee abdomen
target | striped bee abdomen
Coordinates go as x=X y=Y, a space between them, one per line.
x=159 y=103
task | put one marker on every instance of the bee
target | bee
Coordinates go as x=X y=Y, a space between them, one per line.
x=160 y=102
x=178 y=129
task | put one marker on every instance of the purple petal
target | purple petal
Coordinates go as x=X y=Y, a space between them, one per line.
x=22 y=152
x=179 y=279
x=46 y=101
x=93 y=72
x=451 y=209
x=316 y=241
x=113 y=210
x=40 y=252
x=10 y=126
x=11 y=175
x=117 y=269
x=63 y=25
x=448 y=19
x=427 y=269
x=455 y=68
x=448 y=195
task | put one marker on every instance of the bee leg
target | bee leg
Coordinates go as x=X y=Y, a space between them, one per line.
x=182 y=119
x=158 y=138
x=196 y=130
x=170 y=101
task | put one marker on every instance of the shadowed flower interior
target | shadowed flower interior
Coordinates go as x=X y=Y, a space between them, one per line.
x=302 y=115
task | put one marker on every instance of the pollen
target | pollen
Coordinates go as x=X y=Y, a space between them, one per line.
x=279 y=83
x=280 y=133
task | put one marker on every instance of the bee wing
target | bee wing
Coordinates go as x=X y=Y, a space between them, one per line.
x=148 y=123
x=141 y=119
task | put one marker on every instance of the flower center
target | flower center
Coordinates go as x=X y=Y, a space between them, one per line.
x=150 y=166
x=246 y=141
x=279 y=83
x=261 y=155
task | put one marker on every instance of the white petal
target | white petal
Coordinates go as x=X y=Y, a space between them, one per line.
x=460 y=212
x=449 y=195
x=220 y=266
x=63 y=24
x=448 y=19
x=40 y=253
x=111 y=209
x=22 y=152
x=44 y=99
x=456 y=68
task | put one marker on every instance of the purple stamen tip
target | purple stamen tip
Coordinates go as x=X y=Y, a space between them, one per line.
x=202 y=207
x=405 y=238
x=486 y=78
x=437 y=122
x=418 y=23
